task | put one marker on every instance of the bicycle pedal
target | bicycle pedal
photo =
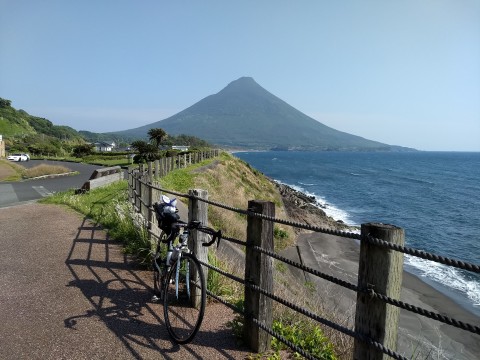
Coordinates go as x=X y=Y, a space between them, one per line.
x=155 y=298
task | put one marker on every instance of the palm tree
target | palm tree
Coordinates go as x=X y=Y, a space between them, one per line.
x=157 y=135
x=146 y=151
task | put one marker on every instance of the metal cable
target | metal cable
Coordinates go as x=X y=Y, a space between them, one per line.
x=398 y=303
x=430 y=314
x=422 y=254
x=230 y=276
x=235 y=241
x=327 y=277
x=226 y=303
x=328 y=323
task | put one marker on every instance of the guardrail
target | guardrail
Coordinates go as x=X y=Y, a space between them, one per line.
x=379 y=279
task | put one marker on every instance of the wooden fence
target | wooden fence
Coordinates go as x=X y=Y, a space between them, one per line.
x=379 y=277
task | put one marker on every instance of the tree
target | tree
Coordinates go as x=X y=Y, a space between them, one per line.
x=82 y=150
x=4 y=103
x=146 y=151
x=157 y=135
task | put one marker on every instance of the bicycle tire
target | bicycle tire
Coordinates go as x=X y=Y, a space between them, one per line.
x=184 y=302
x=157 y=276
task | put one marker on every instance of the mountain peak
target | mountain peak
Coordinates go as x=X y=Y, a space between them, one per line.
x=243 y=86
x=244 y=114
x=243 y=80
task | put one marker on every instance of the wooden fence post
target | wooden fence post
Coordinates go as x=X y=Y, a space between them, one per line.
x=149 y=197
x=381 y=269
x=157 y=168
x=150 y=172
x=131 y=182
x=138 y=187
x=143 y=171
x=259 y=271
x=198 y=210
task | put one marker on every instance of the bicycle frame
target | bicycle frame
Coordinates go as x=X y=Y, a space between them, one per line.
x=184 y=283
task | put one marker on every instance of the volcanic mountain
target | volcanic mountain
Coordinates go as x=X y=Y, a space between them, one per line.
x=245 y=115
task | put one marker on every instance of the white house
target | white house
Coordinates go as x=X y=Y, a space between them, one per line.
x=180 y=147
x=104 y=146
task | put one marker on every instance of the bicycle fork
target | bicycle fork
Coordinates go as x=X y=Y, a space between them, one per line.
x=187 y=276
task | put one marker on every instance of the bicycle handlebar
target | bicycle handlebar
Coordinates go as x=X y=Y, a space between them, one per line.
x=216 y=235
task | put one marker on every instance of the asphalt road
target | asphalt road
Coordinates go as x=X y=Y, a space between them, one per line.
x=12 y=193
x=68 y=291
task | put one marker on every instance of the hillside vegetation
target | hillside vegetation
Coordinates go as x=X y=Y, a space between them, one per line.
x=233 y=182
x=23 y=132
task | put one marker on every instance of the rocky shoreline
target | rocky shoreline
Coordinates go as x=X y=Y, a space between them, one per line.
x=305 y=209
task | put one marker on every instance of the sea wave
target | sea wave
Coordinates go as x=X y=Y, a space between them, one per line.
x=332 y=211
x=447 y=276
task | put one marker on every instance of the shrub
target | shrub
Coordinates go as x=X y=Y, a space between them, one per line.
x=306 y=336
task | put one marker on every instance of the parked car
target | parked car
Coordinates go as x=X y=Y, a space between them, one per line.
x=18 y=157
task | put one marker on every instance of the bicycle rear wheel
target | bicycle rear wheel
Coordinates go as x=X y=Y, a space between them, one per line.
x=185 y=297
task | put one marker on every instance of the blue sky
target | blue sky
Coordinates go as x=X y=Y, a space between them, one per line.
x=399 y=72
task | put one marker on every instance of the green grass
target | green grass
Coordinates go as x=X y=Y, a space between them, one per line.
x=306 y=336
x=102 y=161
x=109 y=207
x=182 y=180
x=20 y=172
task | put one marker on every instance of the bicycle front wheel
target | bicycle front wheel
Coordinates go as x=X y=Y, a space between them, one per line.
x=185 y=297
x=158 y=265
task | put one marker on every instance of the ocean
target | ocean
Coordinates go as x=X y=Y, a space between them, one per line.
x=434 y=196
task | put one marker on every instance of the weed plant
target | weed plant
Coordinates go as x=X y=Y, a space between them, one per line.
x=109 y=207
x=20 y=172
x=44 y=169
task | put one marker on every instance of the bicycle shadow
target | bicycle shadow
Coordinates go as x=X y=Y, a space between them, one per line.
x=119 y=296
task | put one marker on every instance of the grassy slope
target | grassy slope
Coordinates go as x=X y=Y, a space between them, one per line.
x=232 y=182
x=19 y=124
x=14 y=122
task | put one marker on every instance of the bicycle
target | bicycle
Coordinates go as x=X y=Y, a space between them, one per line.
x=178 y=277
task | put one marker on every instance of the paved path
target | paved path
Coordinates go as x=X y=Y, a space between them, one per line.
x=28 y=190
x=68 y=292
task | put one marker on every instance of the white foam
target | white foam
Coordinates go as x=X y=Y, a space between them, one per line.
x=448 y=276
x=332 y=211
